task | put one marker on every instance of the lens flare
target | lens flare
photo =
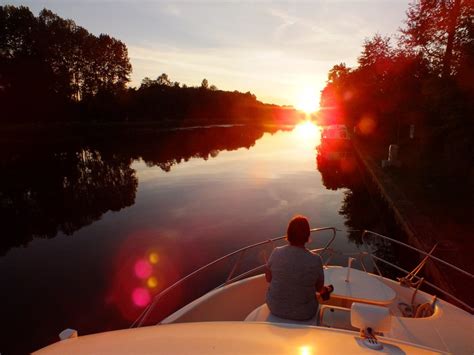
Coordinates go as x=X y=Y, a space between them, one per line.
x=141 y=297
x=308 y=100
x=142 y=269
x=153 y=258
x=366 y=125
x=152 y=282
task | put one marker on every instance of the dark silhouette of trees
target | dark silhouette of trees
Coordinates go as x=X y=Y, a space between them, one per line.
x=175 y=106
x=47 y=61
x=438 y=30
x=423 y=79
x=163 y=80
x=54 y=70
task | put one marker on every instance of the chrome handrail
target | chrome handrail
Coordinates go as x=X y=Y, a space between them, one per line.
x=146 y=312
x=375 y=258
x=416 y=249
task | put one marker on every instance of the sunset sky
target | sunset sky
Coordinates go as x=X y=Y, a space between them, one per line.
x=278 y=50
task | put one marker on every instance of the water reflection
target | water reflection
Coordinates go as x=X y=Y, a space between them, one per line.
x=191 y=196
x=58 y=189
x=362 y=207
x=338 y=166
x=43 y=193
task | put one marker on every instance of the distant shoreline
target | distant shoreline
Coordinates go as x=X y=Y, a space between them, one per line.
x=15 y=138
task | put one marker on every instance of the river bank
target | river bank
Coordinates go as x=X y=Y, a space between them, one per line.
x=427 y=216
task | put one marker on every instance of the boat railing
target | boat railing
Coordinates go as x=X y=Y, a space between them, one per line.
x=413 y=275
x=411 y=278
x=232 y=275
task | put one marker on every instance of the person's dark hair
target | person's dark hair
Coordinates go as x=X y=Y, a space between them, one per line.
x=298 y=230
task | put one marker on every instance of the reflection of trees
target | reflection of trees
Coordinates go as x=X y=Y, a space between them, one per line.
x=355 y=209
x=49 y=192
x=168 y=148
x=61 y=189
x=363 y=209
x=174 y=147
x=338 y=167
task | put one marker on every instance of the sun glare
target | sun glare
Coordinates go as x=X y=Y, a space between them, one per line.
x=307 y=133
x=307 y=101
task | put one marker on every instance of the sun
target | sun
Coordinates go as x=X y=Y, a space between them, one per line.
x=307 y=100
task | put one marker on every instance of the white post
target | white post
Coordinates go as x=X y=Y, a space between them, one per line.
x=349 y=264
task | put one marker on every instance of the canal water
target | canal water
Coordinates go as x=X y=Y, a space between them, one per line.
x=92 y=229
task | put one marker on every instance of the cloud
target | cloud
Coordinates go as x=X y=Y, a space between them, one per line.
x=172 y=9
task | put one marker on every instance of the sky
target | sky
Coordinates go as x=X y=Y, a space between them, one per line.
x=279 y=50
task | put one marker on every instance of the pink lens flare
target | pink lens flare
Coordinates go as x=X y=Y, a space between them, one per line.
x=143 y=269
x=141 y=297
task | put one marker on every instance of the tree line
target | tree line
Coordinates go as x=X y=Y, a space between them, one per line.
x=415 y=89
x=48 y=63
x=51 y=69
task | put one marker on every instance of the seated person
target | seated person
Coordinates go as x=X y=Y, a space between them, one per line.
x=295 y=275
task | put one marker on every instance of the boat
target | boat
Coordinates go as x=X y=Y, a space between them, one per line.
x=335 y=136
x=368 y=312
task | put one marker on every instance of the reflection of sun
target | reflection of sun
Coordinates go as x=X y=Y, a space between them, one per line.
x=307 y=100
x=307 y=133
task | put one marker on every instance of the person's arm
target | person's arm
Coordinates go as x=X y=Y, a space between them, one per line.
x=320 y=279
x=268 y=274
x=268 y=271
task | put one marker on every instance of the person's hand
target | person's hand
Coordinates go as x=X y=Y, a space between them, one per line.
x=326 y=292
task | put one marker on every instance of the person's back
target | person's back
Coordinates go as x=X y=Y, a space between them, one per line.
x=295 y=275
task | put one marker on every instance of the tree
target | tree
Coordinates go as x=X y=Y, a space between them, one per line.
x=164 y=80
x=438 y=30
x=147 y=82
x=376 y=53
x=338 y=73
x=204 y=84
x=213 y=87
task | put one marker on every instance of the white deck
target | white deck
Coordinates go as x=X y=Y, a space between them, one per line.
x=215 y=324
x=449 y=329
x=226 y=338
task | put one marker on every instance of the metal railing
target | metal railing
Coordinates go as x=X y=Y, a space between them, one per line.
x=413 y=273
x=326 y=249
x=230 y=277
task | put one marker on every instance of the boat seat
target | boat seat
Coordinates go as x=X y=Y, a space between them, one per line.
x=263 y=314
x=335 y=317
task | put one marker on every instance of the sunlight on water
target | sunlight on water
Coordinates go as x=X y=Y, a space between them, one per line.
x=307 y=133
